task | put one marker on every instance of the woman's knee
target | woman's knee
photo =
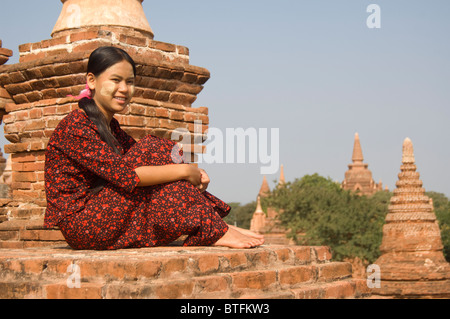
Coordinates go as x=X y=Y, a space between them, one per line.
x=152 y=150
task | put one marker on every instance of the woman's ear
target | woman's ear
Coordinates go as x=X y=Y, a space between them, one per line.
x=91 y=81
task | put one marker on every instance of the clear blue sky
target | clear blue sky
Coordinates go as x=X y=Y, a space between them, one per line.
x=314 y=70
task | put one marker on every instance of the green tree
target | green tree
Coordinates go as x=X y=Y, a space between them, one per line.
x=327 y=215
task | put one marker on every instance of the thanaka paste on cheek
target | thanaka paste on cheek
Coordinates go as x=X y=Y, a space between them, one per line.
x=132 y=90
x=107 y=88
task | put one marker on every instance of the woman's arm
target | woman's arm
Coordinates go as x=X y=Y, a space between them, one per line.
x=154 y=175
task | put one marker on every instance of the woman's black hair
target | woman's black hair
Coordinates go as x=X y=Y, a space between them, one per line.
x=100 y=60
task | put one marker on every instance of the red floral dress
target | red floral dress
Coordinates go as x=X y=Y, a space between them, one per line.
x=122 y=215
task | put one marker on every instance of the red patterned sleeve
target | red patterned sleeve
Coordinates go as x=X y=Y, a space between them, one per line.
x=83 y=145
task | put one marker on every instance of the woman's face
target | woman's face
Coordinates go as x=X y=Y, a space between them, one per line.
x=113 y=89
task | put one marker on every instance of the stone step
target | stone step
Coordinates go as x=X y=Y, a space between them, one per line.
x=173 y=273
x=161 y=262
x=262 y=284
x=207 y=287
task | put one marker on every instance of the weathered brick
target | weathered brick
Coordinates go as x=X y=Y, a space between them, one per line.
x=176 y=115
x=135 y=120
x=88 y=46
x=138 y=41
x=32 y=167
x=172 y=266
x=16 y=148
x=20 y=290
x=34 y=96
x=85 y=35
x=339 y=290
x=49 y=94
x=175 y=290
x=119 y=269
x=334 y=271
x=62 y=291
x=16 y=77
x=182 y=50
x=9 y=235
x=35 y=125
x=296 y=275
x=308 y=292
x=208 y=263
x=211 y=284
x=32 y=57
x=26 y=195
x=254 y=279
x=41 y=235
x=168 y=47
x=35 y=113
x=189 y=77
x=24 y=177
x=25 y=47
x=302 y=255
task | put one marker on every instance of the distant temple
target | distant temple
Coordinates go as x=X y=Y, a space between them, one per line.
x=358 y=178
x=266 y=222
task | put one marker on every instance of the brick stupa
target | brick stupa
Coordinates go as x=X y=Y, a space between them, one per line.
x=34 y=97
x=267 y=223
x=412 y=262
x=358 y=177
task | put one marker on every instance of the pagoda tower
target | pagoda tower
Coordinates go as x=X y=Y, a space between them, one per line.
x=258 y=221
x=412 y=264
x=266 y=222
x=282 y=180
x=264 y=191
x=358 y=178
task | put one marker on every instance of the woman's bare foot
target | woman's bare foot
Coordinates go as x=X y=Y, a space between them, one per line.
x=247 y=232
x=235 y=239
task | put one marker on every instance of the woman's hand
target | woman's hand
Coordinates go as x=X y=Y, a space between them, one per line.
x=197 y=177
x=193 y=174
x=204 y=181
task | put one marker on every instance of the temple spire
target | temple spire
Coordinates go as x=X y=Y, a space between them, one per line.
x=357 y=151
x=282 y=180
x=259 y=218
x=408 y=152
x=265 y=189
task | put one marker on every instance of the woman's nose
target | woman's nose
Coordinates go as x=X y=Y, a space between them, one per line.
x=123 y=87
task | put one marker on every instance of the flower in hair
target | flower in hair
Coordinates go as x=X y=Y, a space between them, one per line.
x=86 y=93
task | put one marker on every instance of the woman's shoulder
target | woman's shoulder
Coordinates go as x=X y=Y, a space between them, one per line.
x=74 y=118
x=74 y=121
x=77 y=114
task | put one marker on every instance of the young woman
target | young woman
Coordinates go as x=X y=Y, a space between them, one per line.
x=106 y=191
